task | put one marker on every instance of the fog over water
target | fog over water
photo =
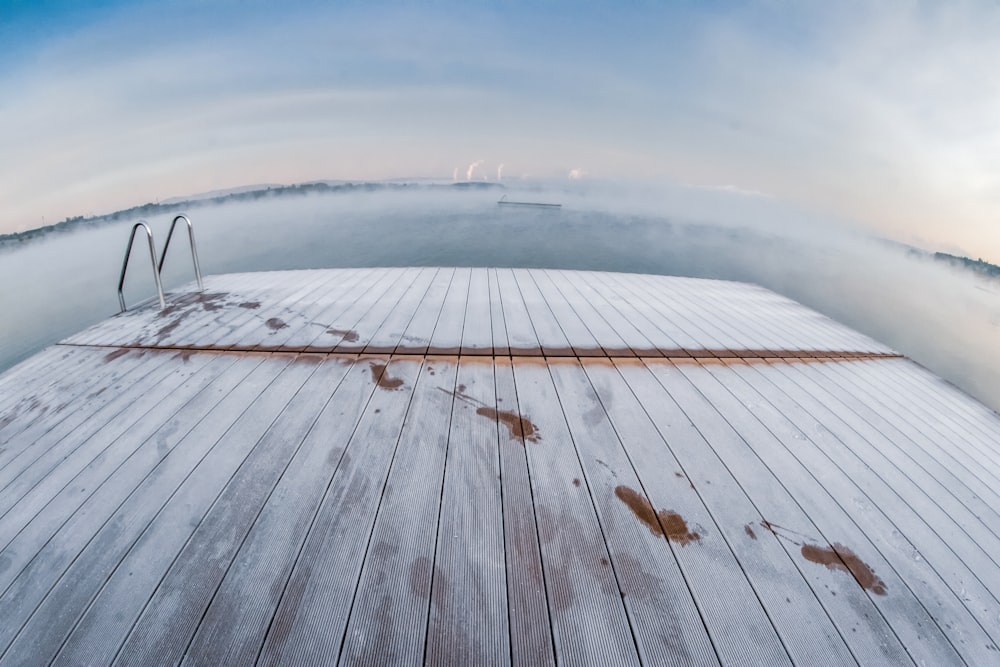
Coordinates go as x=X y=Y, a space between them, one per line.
x=944 y=318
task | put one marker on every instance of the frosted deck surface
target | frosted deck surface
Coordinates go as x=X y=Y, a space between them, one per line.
x=477 y=466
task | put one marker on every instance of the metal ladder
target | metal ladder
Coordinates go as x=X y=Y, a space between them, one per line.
x=158 y=265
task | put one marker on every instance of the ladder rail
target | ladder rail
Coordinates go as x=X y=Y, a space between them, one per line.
x=152 y=257
x=194 y=250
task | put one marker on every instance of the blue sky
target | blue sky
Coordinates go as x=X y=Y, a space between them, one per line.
x=887 y=114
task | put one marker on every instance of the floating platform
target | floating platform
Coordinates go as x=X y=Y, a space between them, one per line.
x=491 y=466
x=505 y=202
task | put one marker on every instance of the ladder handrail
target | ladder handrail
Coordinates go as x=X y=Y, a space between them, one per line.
x=152 y=257
x=194 y=249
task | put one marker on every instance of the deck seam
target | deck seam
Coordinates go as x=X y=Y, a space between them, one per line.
x=819 y=356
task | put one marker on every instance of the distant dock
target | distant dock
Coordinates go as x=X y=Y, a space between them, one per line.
x=504 y=202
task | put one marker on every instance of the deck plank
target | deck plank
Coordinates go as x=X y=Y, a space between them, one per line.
x=521 y=337
x=52 y=363
x=306 y=318
x=616 y=316
x=909 y=481
x=295 y=311
x=390 y=332
x=959 y=474
x=382 y=309
x=236 y=622
x=75 y=407
x=104 y=585
x=696 y=311
x=447 y=336
x=908 y=522
x=388 y=625
x=38 y=402
x=668 y=626
x=58 y=496
x=161 y=625
x=264 y=326
x=250 y=327
x=978 y=419
x=790 y=315
x=531 y=640
x=417 y=336
x=200 y=312
x=589 y=622
x=570 y=324
x=681 y=474
x=477 y=334
x=468 y=622
x=367 y=311
x=105 y=528
x=312 y=615
x=561 y=290
x=309 y=316
x=551 y=337
x=659 y=306
x=917 y=615
x=769 y=318
x=667 y=319
x=119 y=324
x=66 y=452
x=235 y=473
x=501 y=346
x=323 y=315
x=937 y=412
x=678 y=316
x=102 y=487
x=761 y=315
x=774 y=566
x=661 y=332
x=141 y=324
x=854 y=611
x=747 y=318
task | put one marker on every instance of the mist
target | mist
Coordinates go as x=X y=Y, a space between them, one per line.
x=944 y=318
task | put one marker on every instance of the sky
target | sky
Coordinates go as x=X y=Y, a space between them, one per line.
x=886 y=115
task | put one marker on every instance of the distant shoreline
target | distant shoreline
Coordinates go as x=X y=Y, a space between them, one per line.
x=177 y=204
x=196 y=201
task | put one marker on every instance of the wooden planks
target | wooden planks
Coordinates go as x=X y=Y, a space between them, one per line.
x=531 y=638
x=309 y=623
x=668 y=624
x=491 y=466
x=469 y=622
x=239 y=614
x=589 y=621
x=524 y=312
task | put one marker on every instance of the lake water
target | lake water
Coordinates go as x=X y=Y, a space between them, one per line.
x=944 y=318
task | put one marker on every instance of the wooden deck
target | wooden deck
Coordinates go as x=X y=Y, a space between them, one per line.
x=472 y=466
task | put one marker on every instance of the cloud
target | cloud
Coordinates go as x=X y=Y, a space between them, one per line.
x=576 y=174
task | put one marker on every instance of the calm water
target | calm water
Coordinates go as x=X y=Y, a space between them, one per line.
x=943 y=318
